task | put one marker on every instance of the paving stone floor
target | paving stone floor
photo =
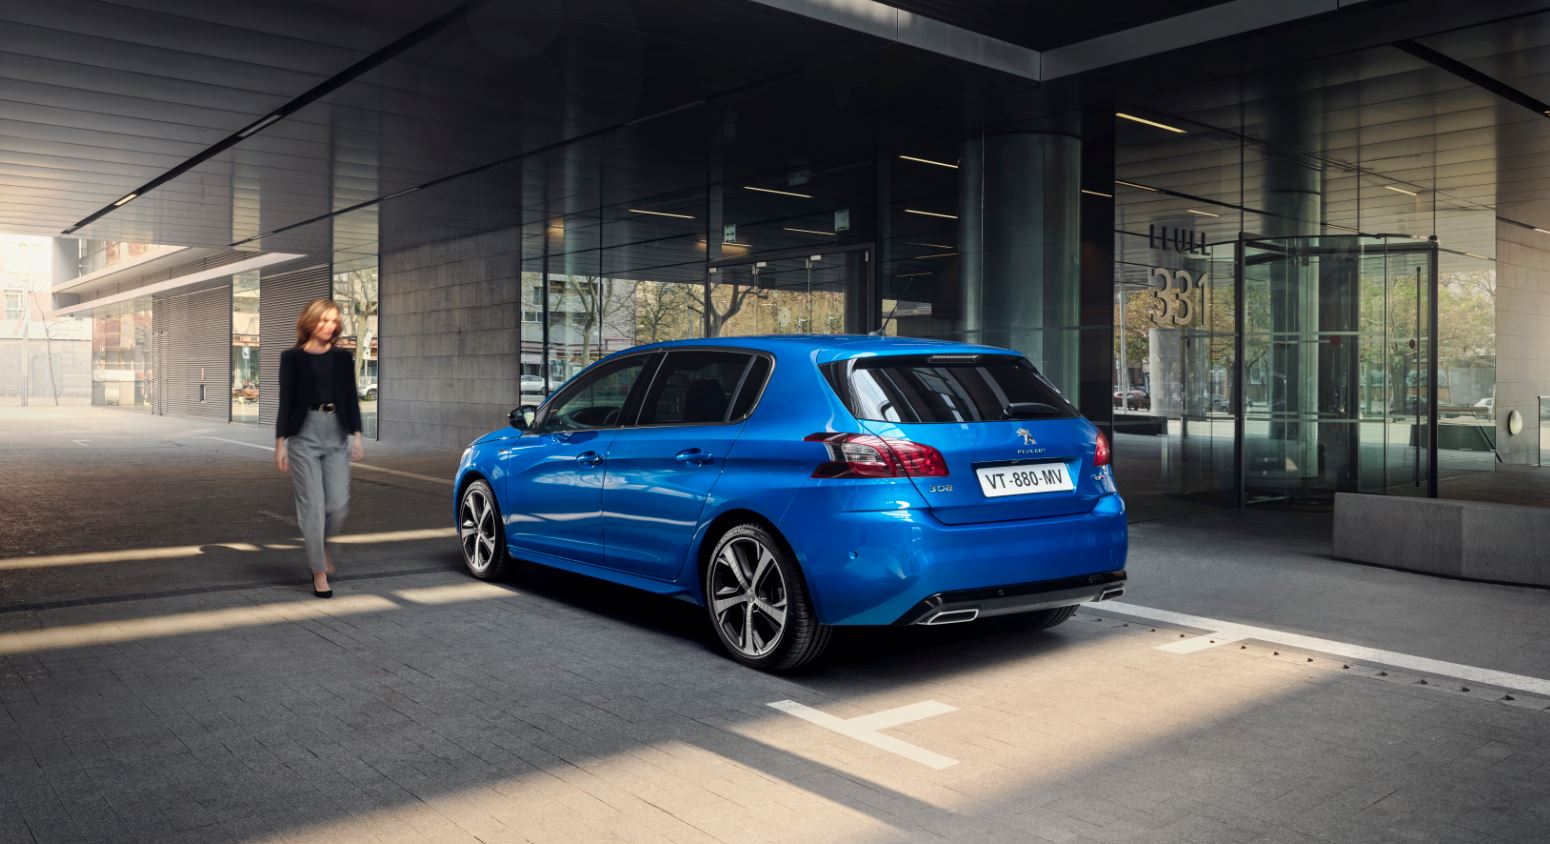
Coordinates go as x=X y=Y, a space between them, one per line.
x=184 y=686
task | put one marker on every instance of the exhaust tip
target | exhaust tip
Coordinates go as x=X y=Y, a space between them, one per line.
x=1112 y=592
x=952 y=617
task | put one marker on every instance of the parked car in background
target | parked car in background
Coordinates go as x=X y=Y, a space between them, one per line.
x=1135 y=398
x=792 y=485
x=532 y=384
x=367 y=392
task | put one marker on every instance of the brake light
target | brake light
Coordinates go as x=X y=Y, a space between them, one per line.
x=1101 y=452
x=869 y=456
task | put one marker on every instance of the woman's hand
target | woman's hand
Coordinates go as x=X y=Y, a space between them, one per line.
x=282 y=458
x=357 y=450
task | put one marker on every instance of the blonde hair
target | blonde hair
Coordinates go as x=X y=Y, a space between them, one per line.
x=311 y=315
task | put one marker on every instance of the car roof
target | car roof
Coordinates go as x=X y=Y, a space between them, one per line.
x=824 y=348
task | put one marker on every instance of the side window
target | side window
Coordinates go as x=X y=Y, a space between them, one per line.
x=597 y=400
x=694 y=387
x=753 y=386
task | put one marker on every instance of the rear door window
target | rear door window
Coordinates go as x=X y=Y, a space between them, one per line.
x=695 y=387
x=946 y=388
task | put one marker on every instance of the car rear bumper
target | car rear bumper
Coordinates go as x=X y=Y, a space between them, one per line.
x=902 y=566
x=971 y=604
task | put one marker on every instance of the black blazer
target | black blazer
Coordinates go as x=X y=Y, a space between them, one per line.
x=293 y=404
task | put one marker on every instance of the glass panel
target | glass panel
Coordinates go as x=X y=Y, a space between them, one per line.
x=245 y=375
x=121 y=355
x=1174 y=378
x=1337 y=368
x=811 y=295
x=355 y=288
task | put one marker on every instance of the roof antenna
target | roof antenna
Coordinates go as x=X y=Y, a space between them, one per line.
x=878 y=331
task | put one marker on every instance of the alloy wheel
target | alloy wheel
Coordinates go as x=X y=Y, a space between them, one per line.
x=748 y=596
x=476 y=528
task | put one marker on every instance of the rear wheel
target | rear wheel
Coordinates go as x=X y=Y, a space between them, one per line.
x=758 y=604
x=481 y=533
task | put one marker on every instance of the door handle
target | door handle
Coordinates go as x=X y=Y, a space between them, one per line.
x=589 y=458
x=695 y=456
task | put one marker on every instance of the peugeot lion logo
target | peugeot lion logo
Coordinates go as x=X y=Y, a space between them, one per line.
x=1027 y=437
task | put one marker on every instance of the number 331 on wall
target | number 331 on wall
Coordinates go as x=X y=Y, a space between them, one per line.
x=1177 y=297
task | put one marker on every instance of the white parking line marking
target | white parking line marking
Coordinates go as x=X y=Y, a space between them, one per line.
x=382 y=469
x=1360 y=653
x=865 y=728
x=1199 y=643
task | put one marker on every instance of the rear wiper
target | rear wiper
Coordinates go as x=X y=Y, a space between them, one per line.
x=1027 y=410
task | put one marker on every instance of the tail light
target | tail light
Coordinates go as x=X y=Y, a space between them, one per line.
x=1101 y=452
x=868 y=456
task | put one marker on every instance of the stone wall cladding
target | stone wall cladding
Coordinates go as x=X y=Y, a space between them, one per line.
x=450 y=339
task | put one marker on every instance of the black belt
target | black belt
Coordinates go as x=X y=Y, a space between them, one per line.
x=326 y=407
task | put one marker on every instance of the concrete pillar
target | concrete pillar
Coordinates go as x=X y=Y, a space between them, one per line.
x=1019 y=242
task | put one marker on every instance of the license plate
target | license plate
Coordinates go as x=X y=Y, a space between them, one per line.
x=1026 y=479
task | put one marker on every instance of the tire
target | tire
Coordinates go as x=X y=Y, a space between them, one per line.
x=481 y=533
x=1038 y=619
x=758 y=604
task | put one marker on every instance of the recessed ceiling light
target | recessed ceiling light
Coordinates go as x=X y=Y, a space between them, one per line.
x=1541 y=231
x=779 y=192
x=937 y=255
x=1398 y=189
x=929 y=161
x=259 y=125
x=932 y=245
x=808 y=231
x=1142 y=120
x=931 y=214
x=1097 y=193
x=1473 y=255
x=675 y=216
x=1200 y=213
x=125 y=199
x=911 y=275
x=1136 y=186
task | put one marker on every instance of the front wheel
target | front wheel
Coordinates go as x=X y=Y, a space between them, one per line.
x=758 y=604
x=481 y=533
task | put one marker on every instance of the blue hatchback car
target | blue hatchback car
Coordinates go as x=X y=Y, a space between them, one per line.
x=794 y=484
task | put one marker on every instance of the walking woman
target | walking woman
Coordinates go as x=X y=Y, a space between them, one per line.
x=318 y=432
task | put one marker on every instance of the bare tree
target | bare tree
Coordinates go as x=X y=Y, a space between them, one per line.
x=737 y=295
x=363 y=295
x=36 y=303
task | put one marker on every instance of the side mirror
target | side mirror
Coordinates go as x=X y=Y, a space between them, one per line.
x=522 y=417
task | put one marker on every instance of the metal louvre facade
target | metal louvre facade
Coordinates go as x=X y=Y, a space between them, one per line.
x=280 y=300
x=193 y=351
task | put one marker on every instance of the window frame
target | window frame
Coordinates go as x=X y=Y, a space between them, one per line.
x=21 y=304
x=742 y=384
x=584 y=380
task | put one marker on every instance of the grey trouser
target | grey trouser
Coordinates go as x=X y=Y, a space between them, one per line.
x=320 y=467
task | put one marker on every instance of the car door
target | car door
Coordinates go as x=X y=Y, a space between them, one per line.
x=553 y=478
x=661 y=471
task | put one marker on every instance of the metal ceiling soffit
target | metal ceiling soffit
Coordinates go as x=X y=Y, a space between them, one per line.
x=318 y=91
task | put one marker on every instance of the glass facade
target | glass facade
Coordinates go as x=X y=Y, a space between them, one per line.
x=245 y=375
x=122 y=374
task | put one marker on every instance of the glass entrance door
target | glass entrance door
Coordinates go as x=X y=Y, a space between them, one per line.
x=817 y=293
x=1338 y=368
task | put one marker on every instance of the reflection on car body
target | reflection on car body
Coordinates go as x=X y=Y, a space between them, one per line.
x=791 y=485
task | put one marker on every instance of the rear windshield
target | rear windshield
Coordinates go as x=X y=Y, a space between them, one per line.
x=945 y=388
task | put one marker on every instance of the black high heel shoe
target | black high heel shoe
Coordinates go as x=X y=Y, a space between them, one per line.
x=326 y=593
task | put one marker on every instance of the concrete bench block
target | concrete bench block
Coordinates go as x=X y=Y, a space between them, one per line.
x=1478 y=540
